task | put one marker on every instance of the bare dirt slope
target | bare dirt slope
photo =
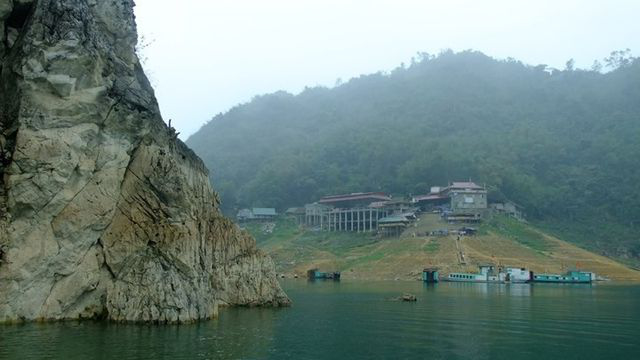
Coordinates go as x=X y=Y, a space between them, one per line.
x=500 y=240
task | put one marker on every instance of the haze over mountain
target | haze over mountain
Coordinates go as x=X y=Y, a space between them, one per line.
x=204 y=57
x=563 y=144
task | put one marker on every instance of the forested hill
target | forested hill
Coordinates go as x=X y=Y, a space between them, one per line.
x=563 y=144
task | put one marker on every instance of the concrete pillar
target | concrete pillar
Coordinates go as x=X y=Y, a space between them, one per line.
x=355 y=220
x=370 y=220
x=351 y=220
x=346 y=220
x=345 y=224
x=330 y=220
x=354 y=213
x=364 y=220
x=377 y=218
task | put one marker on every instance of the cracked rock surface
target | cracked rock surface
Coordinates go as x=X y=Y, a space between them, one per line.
x=104 y=213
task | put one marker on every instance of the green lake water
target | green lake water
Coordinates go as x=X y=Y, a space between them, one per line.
x=356 y=320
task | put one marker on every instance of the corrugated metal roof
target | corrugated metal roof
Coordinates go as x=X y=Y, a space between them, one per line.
x=392 y=219
x=465 y=185
x=264 y=211
x=355 y=196
x=378 y=204
x=429 y=197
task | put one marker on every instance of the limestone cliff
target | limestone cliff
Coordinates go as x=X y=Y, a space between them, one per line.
x=104 y=212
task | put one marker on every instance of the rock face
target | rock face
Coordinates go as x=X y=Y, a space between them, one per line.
x=104 y=213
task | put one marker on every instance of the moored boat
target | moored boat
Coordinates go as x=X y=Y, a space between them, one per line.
x=519 y=274
x=315 y=274
x=572 y=277
x=492 y=274
x=488 y=274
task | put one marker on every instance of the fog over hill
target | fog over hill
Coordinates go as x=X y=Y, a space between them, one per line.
x=562 y=143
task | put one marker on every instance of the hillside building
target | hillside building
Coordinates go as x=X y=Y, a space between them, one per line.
x=348 y=212
x=316 y=215
x=297 y=213
x=468 y=202
x=353 y=200
x=508 y=208
x=257 y=214
x=357 y=212
x=393 y=225
x=459 y=201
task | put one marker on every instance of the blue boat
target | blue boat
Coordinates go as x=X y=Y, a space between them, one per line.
x=572 y=277
x=430 y=275
x=315 y=274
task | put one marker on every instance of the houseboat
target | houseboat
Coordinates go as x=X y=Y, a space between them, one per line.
x=519 y=274
x=493 y=274
x=572 y=277
x=488 y=274
x=315 y=274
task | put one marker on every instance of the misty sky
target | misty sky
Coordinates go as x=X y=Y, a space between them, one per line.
x=204 y=57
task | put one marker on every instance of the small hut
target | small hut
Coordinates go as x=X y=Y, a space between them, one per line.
x=392 y=225
x=430 y=275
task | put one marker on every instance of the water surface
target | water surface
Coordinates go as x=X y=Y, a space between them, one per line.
x=356 y=320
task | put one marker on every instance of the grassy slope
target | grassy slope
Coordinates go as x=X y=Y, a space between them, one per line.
x=362 y=256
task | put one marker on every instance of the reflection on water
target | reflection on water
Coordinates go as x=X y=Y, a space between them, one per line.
x=358 y=320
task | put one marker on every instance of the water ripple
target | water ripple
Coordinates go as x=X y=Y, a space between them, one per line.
x=356 y=320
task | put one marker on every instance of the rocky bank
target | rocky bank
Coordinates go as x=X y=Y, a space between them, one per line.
x=104 y=213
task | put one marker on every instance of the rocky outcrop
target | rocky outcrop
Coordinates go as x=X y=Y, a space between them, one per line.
x=104 y=213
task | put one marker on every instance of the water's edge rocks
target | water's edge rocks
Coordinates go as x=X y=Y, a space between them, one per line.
x=104 y=213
